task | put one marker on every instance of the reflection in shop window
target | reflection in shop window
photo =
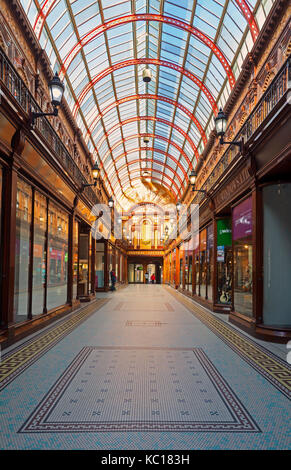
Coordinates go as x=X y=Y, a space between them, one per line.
x=224 y=261
x=57 y=257
x=39 y=253
x=243 y=257
x=75 y=257
x=23 y=228
x=99 y=266
x=0 y=233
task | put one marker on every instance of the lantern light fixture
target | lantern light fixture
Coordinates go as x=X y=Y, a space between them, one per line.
x=110 y=202
x=56 y=88
x=220 y=126
x=179 y=206
x=147 y=75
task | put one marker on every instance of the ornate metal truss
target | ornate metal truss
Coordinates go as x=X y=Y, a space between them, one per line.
x=49 y=4
x=145 y=97
x=157 y=62
x=100 y=47
x=149 y=118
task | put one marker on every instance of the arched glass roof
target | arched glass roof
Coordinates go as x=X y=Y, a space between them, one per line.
x=194 y=49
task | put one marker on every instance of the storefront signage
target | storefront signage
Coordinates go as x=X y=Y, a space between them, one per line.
x=224 y=232
x=229 y=190
x=242 y=219
x=146 y=253
x=220 y=253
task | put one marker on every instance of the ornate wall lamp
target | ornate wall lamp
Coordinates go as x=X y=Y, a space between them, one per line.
x=192 y=179
x=57 y=89
x=95 y=174
x=220 y=126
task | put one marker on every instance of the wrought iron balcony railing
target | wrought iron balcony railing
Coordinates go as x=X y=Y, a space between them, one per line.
x=274 y=93
x=15 y=85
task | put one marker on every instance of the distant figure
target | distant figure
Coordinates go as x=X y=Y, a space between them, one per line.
x=146 y=277
x=153 y=278
x=113 y=280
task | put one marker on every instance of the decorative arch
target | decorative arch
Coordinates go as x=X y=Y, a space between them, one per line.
x=147 y=97
x=246 y=11
x=161 y=180
x=137 y=160
x=155 y=136
x=148 y=118
x=157 y=62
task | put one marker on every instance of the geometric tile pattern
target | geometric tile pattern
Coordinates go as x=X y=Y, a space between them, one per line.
x=273 y=368
x=17 y=360
x=143 y=323
x=140 y=389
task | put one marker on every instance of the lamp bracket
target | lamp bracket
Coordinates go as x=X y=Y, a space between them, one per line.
x=34 y=116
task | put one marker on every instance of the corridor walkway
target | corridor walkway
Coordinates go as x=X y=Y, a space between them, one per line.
x=144 y=368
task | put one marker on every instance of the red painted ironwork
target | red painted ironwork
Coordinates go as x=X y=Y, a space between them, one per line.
x=153 y=136
x=152 y=160
x=183 y=183
x=147 y=97
x=170 y=188
x=157 y=62
x=246 y=11
x=157 y=171
x=95 y=32
x=146 y=118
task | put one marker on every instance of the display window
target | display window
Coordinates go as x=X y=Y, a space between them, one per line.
x=83 y=285
x=99 y=266
x=203 y=263
x=243 y=257
x=39 y=253
x=57 y=276
x=22 y=250
x=224 y=261
x=210 y=257
x=181 y=257
x=75 y=257
x=0 y=232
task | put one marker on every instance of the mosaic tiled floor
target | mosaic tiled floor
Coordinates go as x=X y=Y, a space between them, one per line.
x=143 y=368
x=159 y=390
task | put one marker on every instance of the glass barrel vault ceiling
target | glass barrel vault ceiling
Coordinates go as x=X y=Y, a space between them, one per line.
x=194 y=49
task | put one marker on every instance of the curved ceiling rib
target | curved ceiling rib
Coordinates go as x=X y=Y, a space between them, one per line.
x=162 y=152
x=158 y=62
x=49 y=4
x=194 y=50
x=146 y=97
x=149 y=118
x=159 y=181
x=87 y=38
x=153 y=136
x=156 y=171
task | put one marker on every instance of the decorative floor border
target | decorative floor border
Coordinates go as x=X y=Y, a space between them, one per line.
x=273 y=368
x=38 y=420
x=23 y=356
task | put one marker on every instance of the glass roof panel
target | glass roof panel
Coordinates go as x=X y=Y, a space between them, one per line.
x=173 y=96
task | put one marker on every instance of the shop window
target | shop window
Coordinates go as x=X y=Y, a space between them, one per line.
x=243 y=255
x=210 y=258
x=22 y=250
x=99 y=266
x=57 y=257
x=75 y=257
x=203 y=263
x=277 y=255
x=224 y=261
x=181 y=254
x=83 y=285
x=0 y=231
x=39 y=253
